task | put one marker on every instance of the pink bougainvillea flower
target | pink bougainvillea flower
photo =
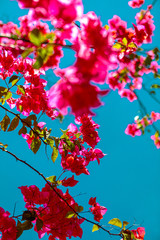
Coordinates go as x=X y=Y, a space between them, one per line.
x=69 y=182
x=156 y=139
x=135 y=3
x=155 y=116
x=7 y=226
x=139 y=233
x=97 y=210
x=90 y=135
x=147 y=22
x=81 y=97
x=133 y=130
x=130 y=95
x=63 y=11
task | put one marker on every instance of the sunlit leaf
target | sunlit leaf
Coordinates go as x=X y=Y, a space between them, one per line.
x=21 y=89
x=125 y=224
x=52 y=179
x=95 y=228
x=116 y=222
x=54 y=154
x=71 y=214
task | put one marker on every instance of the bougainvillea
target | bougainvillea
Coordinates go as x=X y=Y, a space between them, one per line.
x=109 y=55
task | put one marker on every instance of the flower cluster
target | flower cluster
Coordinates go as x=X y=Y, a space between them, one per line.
x=47 y=205
x=74 y=156
x=137 y=128
x=135 y=3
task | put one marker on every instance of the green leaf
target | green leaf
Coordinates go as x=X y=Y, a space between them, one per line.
x=50 y=142
x=106 y=27
x=39 y=224
x=155 y=86
x=22 y=130
x=54 y=154
x=39 y=62
x=95 y=228
x=35 y=145
x=8 y=95
x=27 y=52
x=117 y=46
x=14 y=79
x=35 y=37
x=4 y=123
x=52 y=179
x=116 y=222
x=156 y=134
x=124 y=40
x=3 y=90
x=19 y=229
x=147 y=61
x=27 y=225
x=132 y=45
x=21 y=89
x=13 y=124
x=71 y=214
x=78 y=209
x=125 y=224
x=29 y=215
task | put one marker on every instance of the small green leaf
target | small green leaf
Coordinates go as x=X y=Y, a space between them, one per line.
x=29 y=215
x=3 y=91
x=21 y=89
x=71 y=214
x=106 y=27
x=27 y=52
x=4 y=145
x=116 y=222
x=14 y=79
x=39 y=62
x=35 y=145
x=27 y=225
x=95 y=228
x=117 y=46
x=125 y=224
x=39 y=224
x=4 y=123
x=35 y=37
x=155 y=86
x=54 y=154
x=13 y=124
x=22 y=130
x=50 y=142
x=52 y=179
x=19 y=229
x=8 y=95
x=132 y=45
x=124 y=40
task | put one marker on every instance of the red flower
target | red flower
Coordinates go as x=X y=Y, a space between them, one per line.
x=139 y=233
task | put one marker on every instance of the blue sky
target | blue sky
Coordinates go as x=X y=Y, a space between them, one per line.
x=127 y=180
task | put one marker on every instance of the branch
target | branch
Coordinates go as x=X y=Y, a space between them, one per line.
x=23 y=121
x=64 y=200
x=28 y=41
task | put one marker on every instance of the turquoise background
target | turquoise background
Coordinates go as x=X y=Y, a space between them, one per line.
x=127 y=180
